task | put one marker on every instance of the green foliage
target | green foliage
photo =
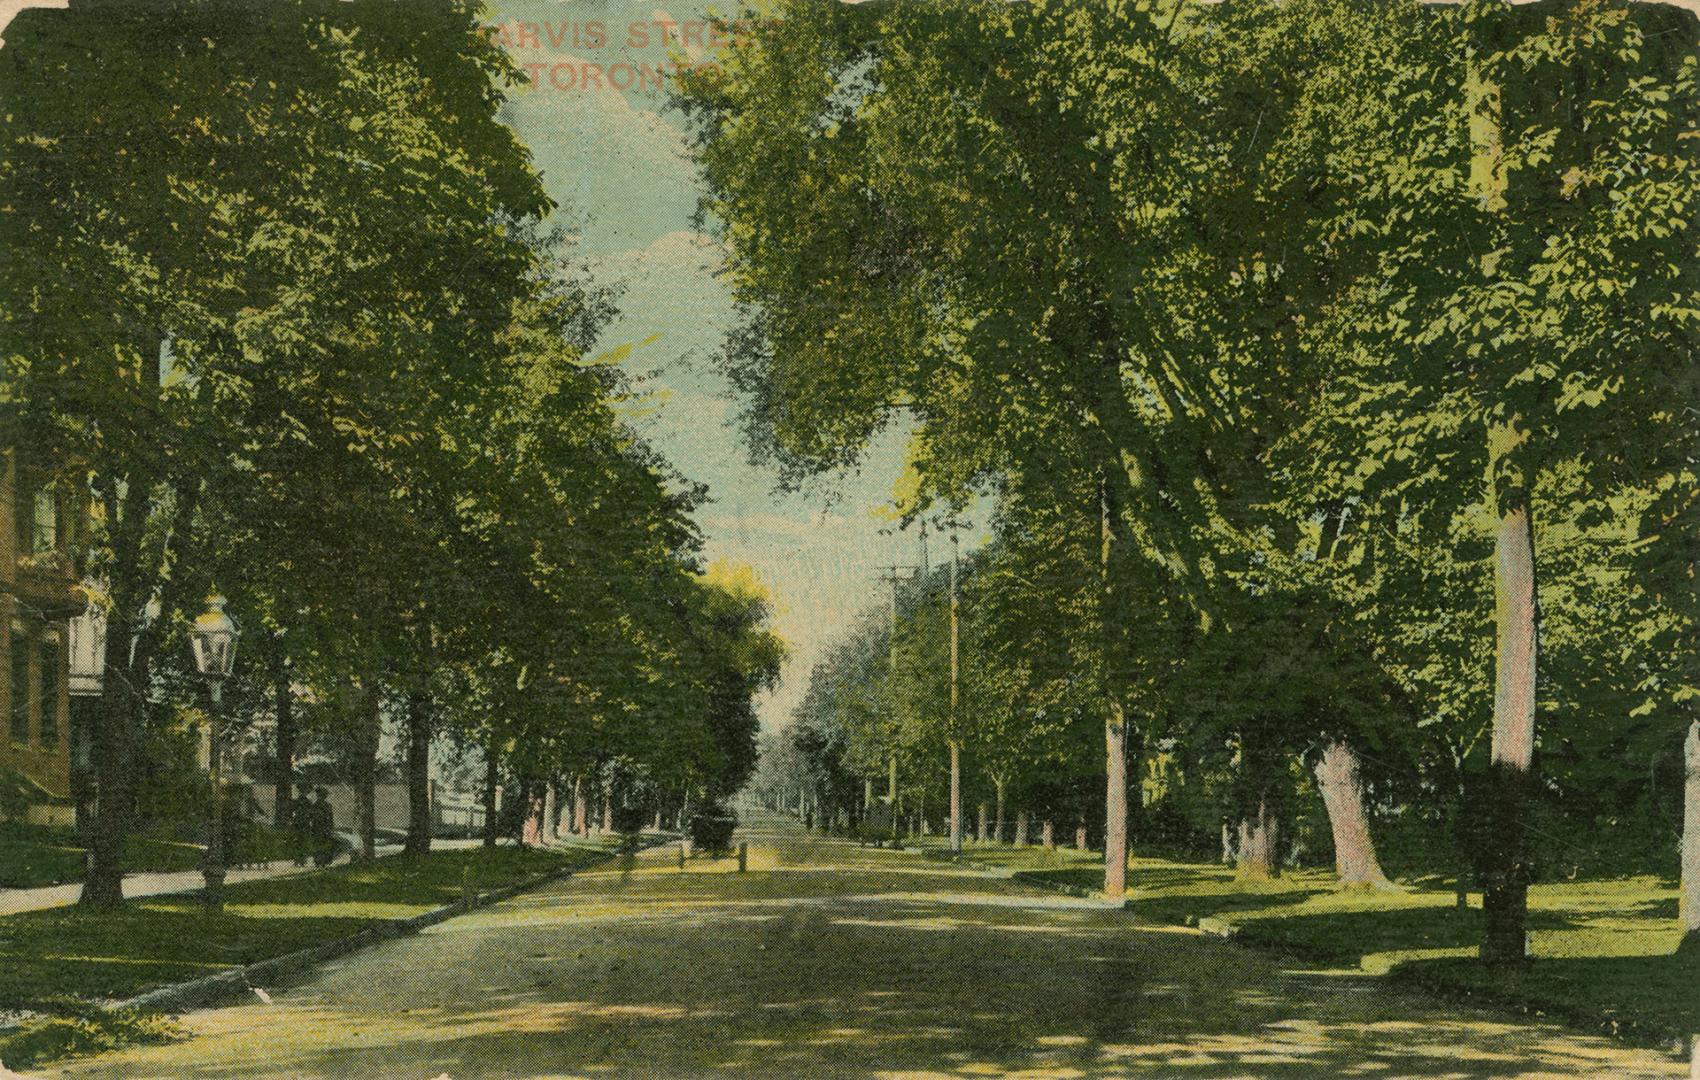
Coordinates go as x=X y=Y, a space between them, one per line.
x=83 y=1030
x=1249 y=323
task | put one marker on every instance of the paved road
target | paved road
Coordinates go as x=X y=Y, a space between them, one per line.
x=828 y=960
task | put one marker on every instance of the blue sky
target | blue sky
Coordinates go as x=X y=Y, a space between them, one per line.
x=619 y=161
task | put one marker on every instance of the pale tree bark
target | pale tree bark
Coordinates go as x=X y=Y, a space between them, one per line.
x=956 y=799
x=1228 y=855
x=1255 y=856
x=1337 y=777
x=1021 y=828
x=607 y=808
x=581 y=812
x=551 y=814
x=1505 y=893
x=1115 y=716
x=997 y=822
x=1691 y=845
x=1048 y=835
x=1080 y=837
x=981 y=824
x=1115 y=820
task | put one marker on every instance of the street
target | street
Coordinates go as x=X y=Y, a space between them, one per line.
x=827 y=959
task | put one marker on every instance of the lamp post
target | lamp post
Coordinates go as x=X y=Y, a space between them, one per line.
x=213 y=640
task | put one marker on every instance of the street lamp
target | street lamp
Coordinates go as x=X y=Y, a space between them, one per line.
x=213 y=640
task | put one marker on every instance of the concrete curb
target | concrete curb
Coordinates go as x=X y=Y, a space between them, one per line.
x=239 y=982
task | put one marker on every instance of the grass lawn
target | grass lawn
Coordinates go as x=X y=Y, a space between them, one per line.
x=1603 y=948
x=36 y=855
x=48 y=956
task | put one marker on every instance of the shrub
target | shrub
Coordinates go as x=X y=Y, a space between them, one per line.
x=83 y=1029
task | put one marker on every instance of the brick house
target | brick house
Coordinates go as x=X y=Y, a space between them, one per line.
x=39 y=595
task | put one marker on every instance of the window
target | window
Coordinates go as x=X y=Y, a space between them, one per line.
x=19 y=706
x=44 y=533
x=35 y=519
x=47 y=670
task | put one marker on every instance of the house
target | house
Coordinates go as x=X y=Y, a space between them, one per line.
x=39 y=595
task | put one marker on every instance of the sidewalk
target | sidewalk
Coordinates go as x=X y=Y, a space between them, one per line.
x=147 y=883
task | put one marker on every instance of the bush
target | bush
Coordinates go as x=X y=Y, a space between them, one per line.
x=84 y=1029
x=711 y=830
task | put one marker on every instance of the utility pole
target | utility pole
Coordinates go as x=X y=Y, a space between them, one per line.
x=955 y=733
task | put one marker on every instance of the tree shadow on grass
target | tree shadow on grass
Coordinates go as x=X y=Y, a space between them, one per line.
x=1182 y=909
x=1657 y=997
x=1347 y=937
x=69 y=952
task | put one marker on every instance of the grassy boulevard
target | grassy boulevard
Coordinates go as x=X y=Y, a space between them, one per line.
x=1604 y=949
x=58 y=967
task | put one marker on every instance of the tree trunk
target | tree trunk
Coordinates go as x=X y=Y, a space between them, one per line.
x=1080 y=837
x=1691 y=846
x=1229 y=857
x=365 y=771
x=418 y=774
x=982 y=824
x=490 y=770
x=1115 y=801
x=997 y=822
x=1021 y=828
x=1355 y=864
x=581 y=811
x=1505 y=878
x=607 y=808
x=283 y=803
x=1048 y=835
x=956 y=800
x=1505 y=893
x=127 y=503
x=1256 y=852
x=551 y=812
x=104 y=885
x=1115 y=713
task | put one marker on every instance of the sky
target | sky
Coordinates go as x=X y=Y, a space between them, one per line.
x=618 y=163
